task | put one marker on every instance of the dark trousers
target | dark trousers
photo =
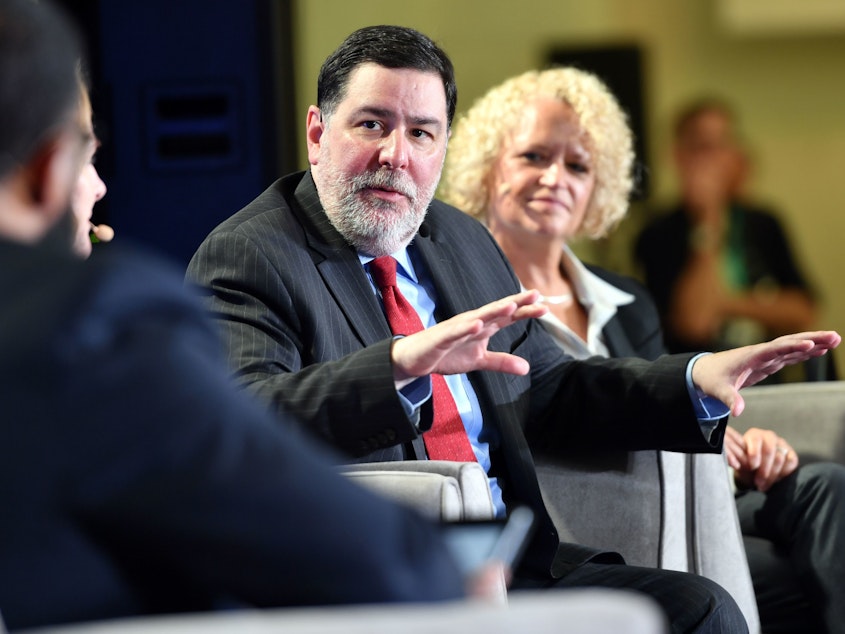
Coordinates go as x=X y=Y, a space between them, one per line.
x=691 y=603
x=795 y=543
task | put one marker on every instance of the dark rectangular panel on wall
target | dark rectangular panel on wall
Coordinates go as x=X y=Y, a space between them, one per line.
x=193 y=100
x=621 y=68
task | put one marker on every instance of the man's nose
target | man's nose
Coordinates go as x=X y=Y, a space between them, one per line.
x=101 y=188
x=394 y=150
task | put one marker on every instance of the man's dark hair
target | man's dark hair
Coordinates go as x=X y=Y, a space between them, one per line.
x=39 y=53
x=388 y=46
x=693 y=110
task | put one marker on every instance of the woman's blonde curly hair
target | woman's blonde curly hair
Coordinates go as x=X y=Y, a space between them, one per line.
x=479 y=135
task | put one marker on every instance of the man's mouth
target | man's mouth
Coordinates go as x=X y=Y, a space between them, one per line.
x=386 y=193
x=389 y=188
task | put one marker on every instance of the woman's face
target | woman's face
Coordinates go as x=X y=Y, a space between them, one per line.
x=88 y=190
x=543 y=180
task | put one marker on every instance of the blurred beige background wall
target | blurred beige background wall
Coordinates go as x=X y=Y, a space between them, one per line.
x=787 y=80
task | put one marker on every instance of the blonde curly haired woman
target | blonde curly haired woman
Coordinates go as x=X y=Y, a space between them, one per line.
x=544 y=158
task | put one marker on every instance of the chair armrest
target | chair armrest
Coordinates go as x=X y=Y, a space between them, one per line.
x=717 y=550
x=657 y=508
x=476 y=499
x=435 y=496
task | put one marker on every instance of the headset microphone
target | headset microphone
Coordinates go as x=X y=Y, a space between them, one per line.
x=102 y=233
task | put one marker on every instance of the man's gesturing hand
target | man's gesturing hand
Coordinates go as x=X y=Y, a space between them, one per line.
x=723 y=374
x=459 y=344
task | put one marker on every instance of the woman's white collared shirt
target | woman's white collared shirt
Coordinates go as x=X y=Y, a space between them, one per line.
x=600 y=299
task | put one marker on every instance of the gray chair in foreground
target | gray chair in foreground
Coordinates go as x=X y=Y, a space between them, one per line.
x=572 y=611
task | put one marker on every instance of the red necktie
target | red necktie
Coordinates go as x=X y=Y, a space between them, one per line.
x=447 y=439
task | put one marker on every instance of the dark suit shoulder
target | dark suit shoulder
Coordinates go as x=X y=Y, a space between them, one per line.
x=462 y=243
x=440 y=211
x=759 y=223
x=622 y=282
x=758 y=213
x=445 y=223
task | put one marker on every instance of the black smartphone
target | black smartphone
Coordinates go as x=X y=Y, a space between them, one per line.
x=476 y=543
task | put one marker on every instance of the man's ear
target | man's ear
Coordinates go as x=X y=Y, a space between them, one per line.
x=314 y=128
x=52 y=172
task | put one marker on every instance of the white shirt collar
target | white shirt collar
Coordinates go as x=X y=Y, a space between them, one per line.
x=601 y=300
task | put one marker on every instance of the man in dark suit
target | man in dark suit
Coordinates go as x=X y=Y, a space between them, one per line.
x=134 y=477
x=293 y=281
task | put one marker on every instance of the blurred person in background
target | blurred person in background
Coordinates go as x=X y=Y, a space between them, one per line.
x=720 y=268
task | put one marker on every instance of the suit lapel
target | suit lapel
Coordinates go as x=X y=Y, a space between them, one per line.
x=454 y=295
x=341 y=270
x=617 y=341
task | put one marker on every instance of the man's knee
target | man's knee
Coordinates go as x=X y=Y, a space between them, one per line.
x=721 y=612
x=825 y=480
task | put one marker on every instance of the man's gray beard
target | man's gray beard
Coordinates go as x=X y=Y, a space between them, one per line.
x=375 y=226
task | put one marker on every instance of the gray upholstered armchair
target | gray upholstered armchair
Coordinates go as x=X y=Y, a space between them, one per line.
x=656 y=508
x=677 y=511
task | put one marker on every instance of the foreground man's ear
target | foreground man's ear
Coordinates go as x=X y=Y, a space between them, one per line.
x=51 y=174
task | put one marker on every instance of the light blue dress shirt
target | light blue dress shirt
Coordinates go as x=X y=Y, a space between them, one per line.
x=420 y=293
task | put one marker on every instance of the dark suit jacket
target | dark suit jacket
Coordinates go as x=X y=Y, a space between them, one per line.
x=135 y=478
x=306 y=332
